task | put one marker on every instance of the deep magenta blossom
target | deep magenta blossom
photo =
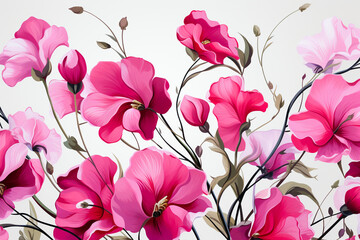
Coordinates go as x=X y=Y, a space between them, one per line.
x=31 y=48
x=19 y=178
x=73 y=67
x=331 y=124
x=354 y=170
x=260 y=144
x=30 y=129
x=335 y=43
x=208 y=38
x=159 y=189
x=83 y=206
x=232 y=106
x=126 y=96
x=194 y=110
x=277 y=216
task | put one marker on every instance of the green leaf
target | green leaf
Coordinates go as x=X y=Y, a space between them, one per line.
x=191 y=53
x=212 y=219
x=335 y=184
x=103 y=45
x=30 y=233
x=297 y=189
x=72 y=143
x=112 y=37
x=245 y=57
x=301 y=168
x=119 y=237
x=121 y=172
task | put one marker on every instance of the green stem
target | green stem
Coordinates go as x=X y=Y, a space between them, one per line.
x=46 y=173
x=43 y=207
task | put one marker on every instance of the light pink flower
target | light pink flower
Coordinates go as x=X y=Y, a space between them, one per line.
x=31 y=48
x=260 y=144
x=83 y=186
x=334 y=44
x=126 y=96
x=159 y=189
x=194 y=110
x=4 y=234
x=354 y=170
x=208 y=38
x=29 y=129
x=276 y=217
x=73 y=67
x=331 y=124
x=232 y=106
x=19 y=178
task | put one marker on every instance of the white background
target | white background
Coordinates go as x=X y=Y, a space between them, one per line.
x=151 y=34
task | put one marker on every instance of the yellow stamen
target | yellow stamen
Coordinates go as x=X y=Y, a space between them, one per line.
x=206 y=41
x=2 y=189
x=160 y=206
x=137 y=105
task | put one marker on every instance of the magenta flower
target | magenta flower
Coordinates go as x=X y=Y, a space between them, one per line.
x=29 y=129
x=354 y=170
x=208 y=38
x=159 y=189
x=276 y=217
x=83 y=206
x=73 y=67
x=232 y=106
x=31 y=48
x=194 y=110
x=3 y=234
x=19 y=178
x=330 y=126
x=260 y=144
x=334 y=44
x=126 y=96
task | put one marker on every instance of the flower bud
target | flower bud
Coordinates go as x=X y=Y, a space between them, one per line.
x=123 y=23
x=194 y=110
x=256 y=30
x=77 y=9
x=304 y=7
x=73 y=67
x=352 y=200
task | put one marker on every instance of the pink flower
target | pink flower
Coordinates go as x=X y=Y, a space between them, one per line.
x=194 y=110
x=330 y=126
x=31 y=48
x=83 y=206
x=159 y=189
x=4 y=234
x=126 y=96
x=276 y=217
x=354 y=170
x=335 y=43
x=73 y=67
x=260 y=144
x=208 y=38
x=29 y=129
x=19 y=178
x=232 y=106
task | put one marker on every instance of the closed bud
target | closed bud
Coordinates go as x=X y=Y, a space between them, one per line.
x=123 y=23
x=73 y=67
x=304 y=7
x=49 y=168
x=256 y=30
x=103 y=45
x=77 y=9
x=270 y=85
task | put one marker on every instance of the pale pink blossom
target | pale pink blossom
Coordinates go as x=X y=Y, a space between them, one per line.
x=31 y=48
x=159 y=189
x=335 y=43
x=126 y=96
x=194 y=110
x=331 y=124
x=208 y=38
x=83 y=206
x=232 y=106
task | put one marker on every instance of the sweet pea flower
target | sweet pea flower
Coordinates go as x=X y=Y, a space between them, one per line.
x=232 y=106
x=260 y=144
x=83 y=206
x=277 y=216
x=4 y=234
x=19 y=178
x=160 y=192
x=73 y=67
x=330 y=126
x=208 y=38
x=354 y=170
x=334 y=44
x=31 y=48
x=30 y=129
x=126 y=96
x=194 y=110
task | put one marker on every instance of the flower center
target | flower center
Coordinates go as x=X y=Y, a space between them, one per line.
x=255 y=236
x=206 y=41
x=137 y=105
x=2 y=189
x=160 y=207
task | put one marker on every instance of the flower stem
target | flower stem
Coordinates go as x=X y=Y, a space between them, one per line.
x=331 y=227
x=46 y=173
x=195 y=233
x=43 y=207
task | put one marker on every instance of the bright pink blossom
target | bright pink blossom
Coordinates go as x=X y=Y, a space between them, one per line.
x=194 y=110
x=73 y=67
x=31 y=48
x=126 y=96
x=276 y=217
x=4 y=234
x=331 y=124
x=334 y=44
x=232 y=106
x=354 y=170
x=260 y=144
x=30 y=129
x=208 y=38
x=83 y=206
x=19 y=178
x=159 y=189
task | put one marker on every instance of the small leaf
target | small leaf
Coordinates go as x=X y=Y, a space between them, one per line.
x=49 y=168
x=37 y=75
x=330 y=211
x=304 y=7
x=191 y=53
x=279 y=103
x=177 y=90
x=341 y=232
x=335 y=184
x=72 y=143
x=301 y=168
x=30 y=233
x=103 y=45
x=119 y=237
x=212 y=219
x=349 y=232
x=199 y=151
x=341 y=168
x=245 y=57
x=121 y=173
x=112 y=37
x=268 y=45
x=297 y=189
x=219 y=140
